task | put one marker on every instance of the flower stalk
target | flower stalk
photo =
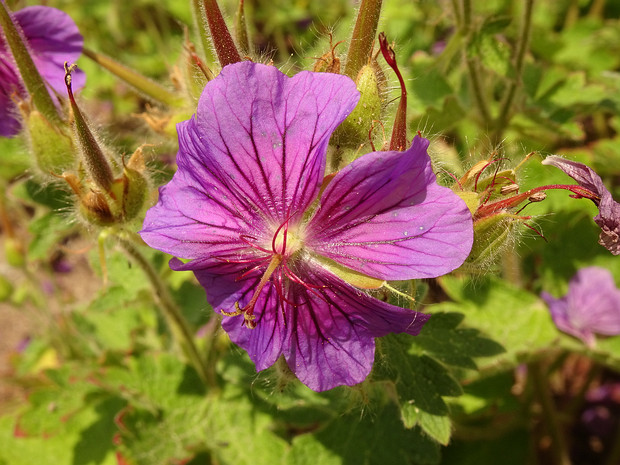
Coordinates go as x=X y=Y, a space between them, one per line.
x=363 y=37
x=549 y=414
x=143 y=84
x=521 y=49
x=177 y=324
x=473 y=65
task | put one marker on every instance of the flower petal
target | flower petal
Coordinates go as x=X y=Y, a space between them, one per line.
x=591 y=306
x=192 y=221
x=9 y=84
x=594 y=301
x=264 y=344
x=53 y=38
x=584 y=175
x=385 y=215
x=334 y=326
x=325 y=328
x=262 y=136
x=608 y=220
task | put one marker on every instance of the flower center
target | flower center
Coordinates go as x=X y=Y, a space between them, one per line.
x=284 y=244
x=286 y=241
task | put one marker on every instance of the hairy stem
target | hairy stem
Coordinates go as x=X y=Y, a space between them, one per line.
x=473 y=66
x=520 y=51
x=363 y=37
x=171 y=312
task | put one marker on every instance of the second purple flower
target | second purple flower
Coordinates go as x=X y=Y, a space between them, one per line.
x=275 y=248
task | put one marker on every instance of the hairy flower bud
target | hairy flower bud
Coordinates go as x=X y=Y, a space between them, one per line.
x=52 y=149
x=357 y=129
x=121 y=203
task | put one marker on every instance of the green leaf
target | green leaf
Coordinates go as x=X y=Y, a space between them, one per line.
x=86 y=440
x=517 y=318
x=513 y=449
x=420 y=383
x=47 y=231
x=69 y=421
x=377 y=438
x=442 y=338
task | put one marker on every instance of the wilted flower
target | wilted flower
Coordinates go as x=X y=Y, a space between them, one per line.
x=277 y=263
x=591 y=306
x=52 y=38
x=609 y=210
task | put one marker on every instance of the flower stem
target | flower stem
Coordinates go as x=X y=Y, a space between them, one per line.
x=521 y=49
x=472 y=63
x=171 y=312
x=363 y=37
x=150 y=88
x=549 y=414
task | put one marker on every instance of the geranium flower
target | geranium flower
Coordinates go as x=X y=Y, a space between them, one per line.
x=52 y=38
x=273 y=258
x=591 y=306
x=609 y=210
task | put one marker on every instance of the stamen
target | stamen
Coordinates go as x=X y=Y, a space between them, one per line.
x=245 y=238
x=248 y=310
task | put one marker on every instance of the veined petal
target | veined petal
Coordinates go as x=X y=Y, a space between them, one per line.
x=334 y=326
x=594 y=301
x=384 y=215
x=262 y=136
x=325 y=328
x=264 y=343
x=192 y=221
x=53 y=38
x=9 y=84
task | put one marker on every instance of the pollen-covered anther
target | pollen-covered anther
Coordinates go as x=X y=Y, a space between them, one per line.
x=537 y=197
x=247 y=312
x=509 y=189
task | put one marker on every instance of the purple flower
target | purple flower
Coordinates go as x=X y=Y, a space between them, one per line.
x=608 y=217
x=591 y=306
x=52 y=38
x=271 y=242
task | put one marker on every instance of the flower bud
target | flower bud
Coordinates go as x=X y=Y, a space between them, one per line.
x=52 y=149
x=492 y=235
x=121 y=203
x=357 y=129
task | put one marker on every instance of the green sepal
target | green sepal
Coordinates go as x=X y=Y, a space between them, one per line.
x=52 y=148
x=492 y=234
x=356 y=129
